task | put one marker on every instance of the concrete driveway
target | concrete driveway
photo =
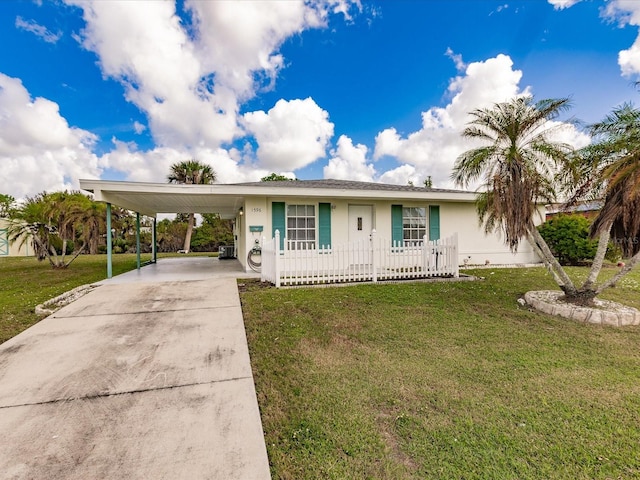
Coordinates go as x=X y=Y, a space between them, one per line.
x=133 y=380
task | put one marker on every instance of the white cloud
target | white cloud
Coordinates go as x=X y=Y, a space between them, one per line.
x=562 y=4
x=145 y=48
x=457 y=59
x=37 y=30
x=138 y=127
x=191 y=80
x=153 y=165
x=403 y=175
x=349 y=162
x=291 y=135
x=38 y=149
x=626 y=12
x=432 y=150
x=238 y=39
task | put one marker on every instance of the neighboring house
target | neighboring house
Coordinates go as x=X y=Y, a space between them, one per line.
x=327 y=215
x=587 y=208
x=15 y=249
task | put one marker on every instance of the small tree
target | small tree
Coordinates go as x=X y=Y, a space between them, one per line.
x=7 y=205
x=55 y=221
x=568 y=238
x=276 y=177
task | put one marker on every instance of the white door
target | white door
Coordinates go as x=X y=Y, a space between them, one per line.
x=360 y=222
x=360 y=226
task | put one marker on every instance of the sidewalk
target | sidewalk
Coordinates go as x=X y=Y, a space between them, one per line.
x=183 y=268
x=135 y=381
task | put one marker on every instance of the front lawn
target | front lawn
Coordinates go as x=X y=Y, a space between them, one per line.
x=25 y=283
x=442 y=380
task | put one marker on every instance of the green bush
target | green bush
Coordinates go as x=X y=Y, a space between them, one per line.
x=614 y=252
x=568 y=238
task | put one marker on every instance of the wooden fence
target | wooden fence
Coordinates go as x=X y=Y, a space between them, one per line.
x=367 y=260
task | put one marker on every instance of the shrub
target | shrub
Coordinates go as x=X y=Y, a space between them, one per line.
x=568 y=238
x=614 y=252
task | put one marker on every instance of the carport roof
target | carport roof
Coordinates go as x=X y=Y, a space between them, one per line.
x=226 y=199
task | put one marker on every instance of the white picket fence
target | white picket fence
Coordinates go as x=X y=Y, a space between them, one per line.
x=367 y=260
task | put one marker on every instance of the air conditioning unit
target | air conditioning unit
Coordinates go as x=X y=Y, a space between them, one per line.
x=225 y=252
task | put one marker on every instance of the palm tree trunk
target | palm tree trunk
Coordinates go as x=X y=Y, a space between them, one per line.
x=623 y=271
x=559 y=275
x=64 y=251
x=187 y=238
x=596 y=266
x=42 y=249
x=54 y=256
x=76 y=255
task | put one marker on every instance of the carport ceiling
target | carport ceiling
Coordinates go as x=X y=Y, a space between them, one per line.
x=152 y=199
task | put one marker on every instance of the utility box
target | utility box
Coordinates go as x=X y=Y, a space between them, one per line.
x=226 y=252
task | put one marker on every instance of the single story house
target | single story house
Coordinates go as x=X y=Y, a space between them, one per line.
x=332 y=230
x=15 y=249
x=587 y=208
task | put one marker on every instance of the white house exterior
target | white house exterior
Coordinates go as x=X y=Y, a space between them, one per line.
x=326 y=214
x=15 y=249
x=397 y=213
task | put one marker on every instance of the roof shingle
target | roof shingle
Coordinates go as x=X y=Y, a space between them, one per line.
x=345 y=185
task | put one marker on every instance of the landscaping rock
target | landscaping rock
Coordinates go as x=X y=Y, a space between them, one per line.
x=603 y=313
x=54 y=304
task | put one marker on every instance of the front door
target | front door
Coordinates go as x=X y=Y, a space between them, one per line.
x=360 y=226
x=360 y=222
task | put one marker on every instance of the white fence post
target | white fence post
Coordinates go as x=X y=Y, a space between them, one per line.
x=265 y=265
x=425 y=255
x=276 y=260
x=456 y=266
x=374 y=257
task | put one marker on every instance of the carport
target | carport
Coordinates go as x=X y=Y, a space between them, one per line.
x=151 y=199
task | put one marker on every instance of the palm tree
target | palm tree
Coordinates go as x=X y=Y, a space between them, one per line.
x=52 y=220
x=517 y=168
x=521 y=165
x=191 y=172
x=29 y=222
x=91 y=217
x=614 y=163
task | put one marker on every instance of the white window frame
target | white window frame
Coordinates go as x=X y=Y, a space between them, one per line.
x=302 y=226
x=414 y=225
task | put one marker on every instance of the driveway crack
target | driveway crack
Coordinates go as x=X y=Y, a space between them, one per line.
x=127 y=392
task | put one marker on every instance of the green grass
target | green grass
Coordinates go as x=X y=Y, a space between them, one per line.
x=25 y=283
x=443 y=380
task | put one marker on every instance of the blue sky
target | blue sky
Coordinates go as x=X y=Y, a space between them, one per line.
x=372 y=91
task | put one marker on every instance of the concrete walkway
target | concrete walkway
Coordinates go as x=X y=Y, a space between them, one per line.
x=134 y=380
x=183 y=268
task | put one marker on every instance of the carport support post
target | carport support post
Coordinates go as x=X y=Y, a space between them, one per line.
x=154 y=246
x=138 y=240
x=109 y=242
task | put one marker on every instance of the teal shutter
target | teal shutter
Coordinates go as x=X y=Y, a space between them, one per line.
x=396 y=225
x=4 y=242
x=278 y=221
x=324 y=225
x=434 y=222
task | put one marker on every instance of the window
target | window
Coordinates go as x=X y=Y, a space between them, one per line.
x=409 y=224
x=414 y=225
x=301 y=226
